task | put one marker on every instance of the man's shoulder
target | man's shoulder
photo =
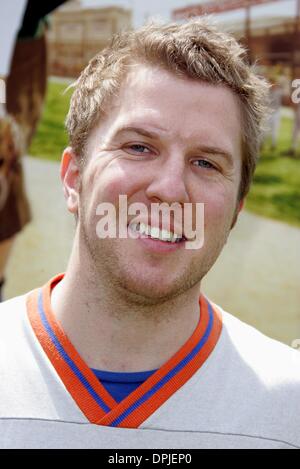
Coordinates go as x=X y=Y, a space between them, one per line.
x=273 y=362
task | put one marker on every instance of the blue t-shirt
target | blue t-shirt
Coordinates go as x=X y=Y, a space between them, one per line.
x=120 y=385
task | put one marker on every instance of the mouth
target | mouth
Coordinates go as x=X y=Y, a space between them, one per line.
x=142 y=230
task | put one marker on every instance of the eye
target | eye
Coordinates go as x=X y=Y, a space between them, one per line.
x=204 y=164
x=138 y=148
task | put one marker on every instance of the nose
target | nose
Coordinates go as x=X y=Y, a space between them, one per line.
x=168 y=182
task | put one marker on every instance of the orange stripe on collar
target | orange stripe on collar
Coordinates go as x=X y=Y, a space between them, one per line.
x=83 y=385
x=91 y=397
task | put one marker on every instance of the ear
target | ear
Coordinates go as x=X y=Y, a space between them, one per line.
x=238 y=209
x=70 y=176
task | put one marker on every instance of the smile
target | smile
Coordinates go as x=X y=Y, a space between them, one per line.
x=155 y=232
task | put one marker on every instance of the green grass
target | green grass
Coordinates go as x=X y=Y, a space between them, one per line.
x=275 y=191
x=51 y=138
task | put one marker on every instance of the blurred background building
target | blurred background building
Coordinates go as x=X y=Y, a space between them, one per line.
x=77 y=33
x=272 y=40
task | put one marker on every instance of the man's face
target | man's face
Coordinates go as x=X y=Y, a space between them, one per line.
x=164 y=139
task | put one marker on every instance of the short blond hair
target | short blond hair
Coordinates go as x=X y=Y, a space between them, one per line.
x=196 y=49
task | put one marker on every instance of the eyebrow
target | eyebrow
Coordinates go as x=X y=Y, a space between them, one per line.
x=211 y=150
x=137 y=130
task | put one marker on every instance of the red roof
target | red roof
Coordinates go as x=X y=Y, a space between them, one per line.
x=216 y=6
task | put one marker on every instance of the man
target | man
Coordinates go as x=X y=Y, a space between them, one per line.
x=123 y=351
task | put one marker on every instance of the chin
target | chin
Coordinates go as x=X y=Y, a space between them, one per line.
x=150 y=289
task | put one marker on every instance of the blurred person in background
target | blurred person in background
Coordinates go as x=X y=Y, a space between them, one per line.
x=288 y=101
x=25 y=93
x=276 y=95
x=292 y=151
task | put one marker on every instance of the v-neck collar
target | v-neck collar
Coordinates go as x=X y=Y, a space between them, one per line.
x=95 y=402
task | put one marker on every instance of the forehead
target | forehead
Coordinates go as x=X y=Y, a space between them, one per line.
x=182 y=108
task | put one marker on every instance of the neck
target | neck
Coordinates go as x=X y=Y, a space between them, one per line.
x=113 y=332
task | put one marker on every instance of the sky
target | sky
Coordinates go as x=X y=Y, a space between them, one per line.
x=162 y=8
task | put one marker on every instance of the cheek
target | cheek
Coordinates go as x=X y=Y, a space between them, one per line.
x=219 y=211
x=105 y=184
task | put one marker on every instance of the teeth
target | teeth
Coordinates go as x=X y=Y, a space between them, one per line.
x=166 y=235
x=155 y=232
x=134 y=227
x=176 y=238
